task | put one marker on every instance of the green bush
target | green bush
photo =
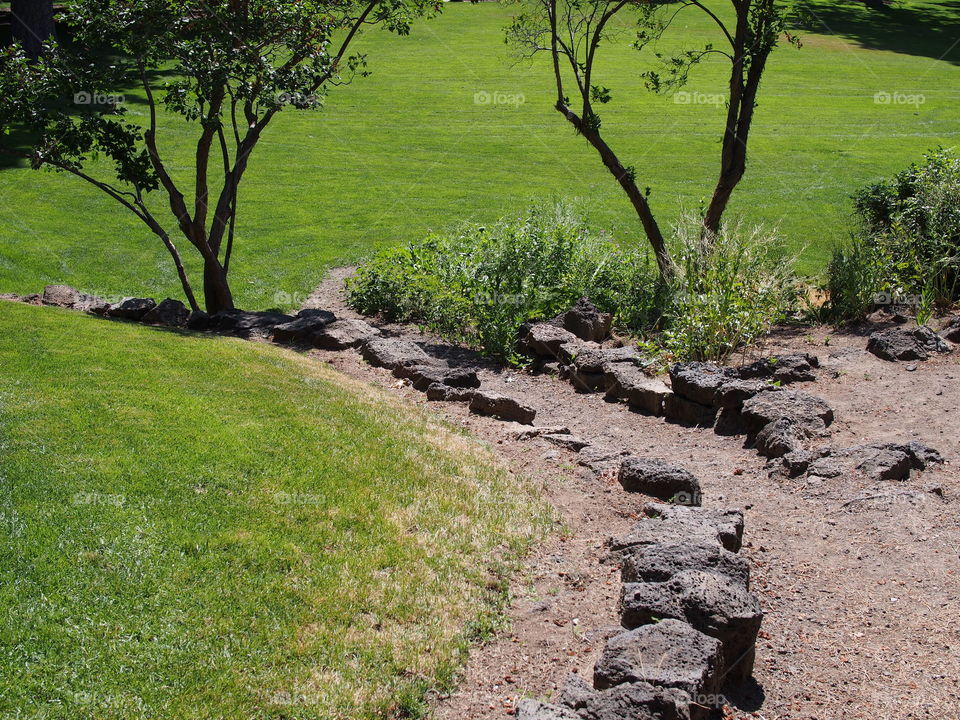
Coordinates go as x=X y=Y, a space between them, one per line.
x=730 y=289
x=907 y=244
x=478 y=285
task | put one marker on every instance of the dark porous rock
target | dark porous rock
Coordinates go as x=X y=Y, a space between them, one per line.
x=698 y=381
x=67 y=297
x=713 y=604
x=628 y=382
x=423 y=376
x=586 y=322
x=592 y=359
x=393 y=353
x=794 y=464
x=781 y=437
x=131 y=308
x=169 y=312
x=951 y=332
x=601 y=459
x=825 y=465
x=567 y=441
x=536 y=710
x=659 y=479
x=317 y=313
x=199 y=320
x=730 y=422
x=544 y=340
x=734 y=393
x=528 y=433
x=688 y=413
x=726 y=523
x=501 y=406
x=808 y=412
x=303 y=327
x=636 y=701
x=658 y=562
x=445 y=393
x=917 y=343
x=247 y=323
x=889 y=461
x=669 y=654
x=31 y=299
x=343 y=334
x=784 y=369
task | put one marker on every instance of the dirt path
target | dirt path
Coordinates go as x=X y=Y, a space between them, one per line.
x=860 y=581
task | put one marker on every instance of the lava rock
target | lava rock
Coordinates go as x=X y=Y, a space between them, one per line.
x=68 y=297
x=536 y=710
x=637 y=701
x=808 y=412
x=951 y=332
x=445 y=393
x=423 y=376
x=726 y=523
x=659 y=479
x=628 y=382
x=343 y=334
x=917 y=343
x=658 y=562
x=698 y=382
x=393 y=353
x=169 y=312
x=247 y=323
x=710 y=603
x=501 y=406
x=131 y=308
x=669 y=654
x=731 y=395
x=784 y=369
x=567 y=441
x=586 y=322
x=302 y=328
x=682 y=411
x=544 y=339
x=781 y=437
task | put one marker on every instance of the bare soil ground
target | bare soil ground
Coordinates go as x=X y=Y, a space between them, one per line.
x=859 y=580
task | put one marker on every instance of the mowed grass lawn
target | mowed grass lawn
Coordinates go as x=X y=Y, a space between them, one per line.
x=414 y=148
x=207 y=528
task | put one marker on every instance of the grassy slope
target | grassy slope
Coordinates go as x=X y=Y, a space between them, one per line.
x=407 y=150
x=204 y=528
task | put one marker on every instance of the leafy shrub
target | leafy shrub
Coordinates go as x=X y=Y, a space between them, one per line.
x=478 y=285
x=730 y=289
x=908 y=240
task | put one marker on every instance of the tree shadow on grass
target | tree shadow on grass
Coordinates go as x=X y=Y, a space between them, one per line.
x=929 y=29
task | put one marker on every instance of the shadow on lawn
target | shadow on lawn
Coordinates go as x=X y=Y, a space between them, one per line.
x=931 y=30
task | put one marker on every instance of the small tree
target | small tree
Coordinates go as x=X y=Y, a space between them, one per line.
x=226 y=66
x=572 y=31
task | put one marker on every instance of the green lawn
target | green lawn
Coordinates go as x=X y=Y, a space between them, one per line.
x=205 y=528
x=408 y=150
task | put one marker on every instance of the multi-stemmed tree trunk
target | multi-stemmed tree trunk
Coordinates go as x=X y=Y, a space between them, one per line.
x=32 y=24
x=573 y=30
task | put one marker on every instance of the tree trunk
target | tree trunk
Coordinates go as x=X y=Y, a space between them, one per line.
x=32 y=24
x=629 y=185
x=216 y=289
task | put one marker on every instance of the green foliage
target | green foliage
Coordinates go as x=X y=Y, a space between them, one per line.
x=196 y=528
x=478 y=285
x=854 y=277
x=732 y=287
x=906 y=249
